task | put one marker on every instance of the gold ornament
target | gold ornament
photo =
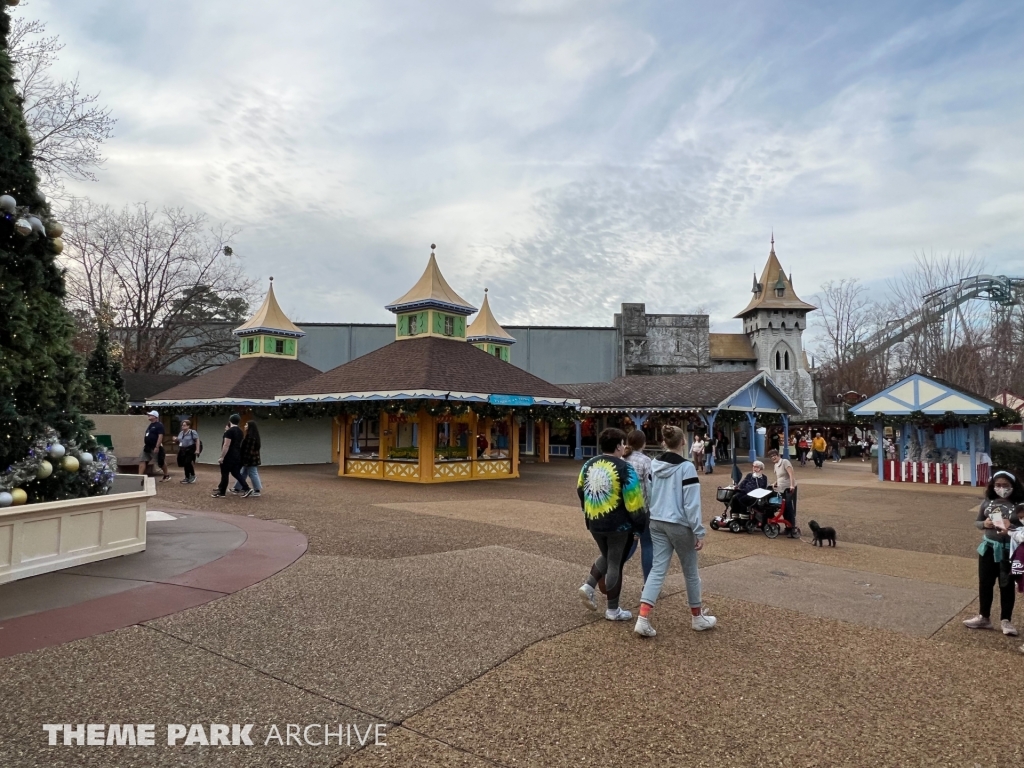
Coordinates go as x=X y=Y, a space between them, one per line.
x=57 y=245
x=54 y=229
x=19 y=495
x=45 y=470
x=69 y=464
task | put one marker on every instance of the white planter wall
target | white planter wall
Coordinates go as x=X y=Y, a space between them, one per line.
x=39 y=538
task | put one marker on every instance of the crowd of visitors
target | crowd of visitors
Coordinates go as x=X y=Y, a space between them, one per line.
x=239 y=456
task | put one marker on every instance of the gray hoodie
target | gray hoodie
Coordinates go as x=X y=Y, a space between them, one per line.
x=675 y=492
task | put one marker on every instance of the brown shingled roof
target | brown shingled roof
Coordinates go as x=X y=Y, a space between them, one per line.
x=730 y=346
x=773 y=276
x=252 y=378
x=683 y=391
x=428 y=363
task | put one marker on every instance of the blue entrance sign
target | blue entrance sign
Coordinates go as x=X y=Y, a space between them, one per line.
x=517 y=400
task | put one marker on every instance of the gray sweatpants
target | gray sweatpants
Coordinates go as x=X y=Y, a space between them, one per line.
x=668 y=538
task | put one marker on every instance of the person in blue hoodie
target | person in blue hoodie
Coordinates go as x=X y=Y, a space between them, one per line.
x=613 y=509
x=675 y=525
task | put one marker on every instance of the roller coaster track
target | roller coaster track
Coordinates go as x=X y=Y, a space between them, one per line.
x=998 y=289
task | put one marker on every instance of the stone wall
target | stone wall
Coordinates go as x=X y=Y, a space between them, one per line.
x=654 y=345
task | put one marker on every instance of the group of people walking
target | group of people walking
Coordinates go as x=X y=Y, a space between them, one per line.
x=239 y=454
x=630 y=500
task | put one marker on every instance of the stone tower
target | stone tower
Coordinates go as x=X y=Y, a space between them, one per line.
x=775 y=321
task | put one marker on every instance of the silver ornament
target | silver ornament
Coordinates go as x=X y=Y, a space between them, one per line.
x=37 y=225
x=85 y=458
x=22 y=227
x=5 y=499
x=8 y=204
x=56 y=450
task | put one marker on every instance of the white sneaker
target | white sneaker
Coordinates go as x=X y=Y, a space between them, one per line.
x=1008 y=628
x=702 y=621
x=618 y=614
x=978 y=622
x=586 y=593
x=643 y=627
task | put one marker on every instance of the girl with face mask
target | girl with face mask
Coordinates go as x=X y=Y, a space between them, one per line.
x=998 y=515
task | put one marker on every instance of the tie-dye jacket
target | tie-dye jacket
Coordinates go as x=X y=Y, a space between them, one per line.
x=611 y=495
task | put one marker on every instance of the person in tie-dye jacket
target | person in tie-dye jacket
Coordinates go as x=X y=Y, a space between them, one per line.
x=613 y=510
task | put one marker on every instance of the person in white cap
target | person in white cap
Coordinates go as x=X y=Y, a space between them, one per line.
x=151 y=442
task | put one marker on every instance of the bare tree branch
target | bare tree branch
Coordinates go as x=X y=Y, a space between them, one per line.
x=67 y=125
x=169 y=285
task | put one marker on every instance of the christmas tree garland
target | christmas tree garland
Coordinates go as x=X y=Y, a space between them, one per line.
x=32 y=479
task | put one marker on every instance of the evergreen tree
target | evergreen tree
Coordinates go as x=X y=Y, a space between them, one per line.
x=104 y=386
x=39 y=373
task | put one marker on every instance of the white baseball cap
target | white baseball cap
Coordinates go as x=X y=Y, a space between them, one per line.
x=154 y=414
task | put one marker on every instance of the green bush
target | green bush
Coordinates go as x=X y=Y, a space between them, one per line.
x=1008 y=456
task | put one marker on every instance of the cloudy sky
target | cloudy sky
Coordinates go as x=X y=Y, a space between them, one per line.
x=568 y=154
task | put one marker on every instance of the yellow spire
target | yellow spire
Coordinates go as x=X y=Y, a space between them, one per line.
x=432 y=290
x=486 y=328
x=269 y=319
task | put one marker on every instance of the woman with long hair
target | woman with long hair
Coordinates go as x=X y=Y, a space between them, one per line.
x=635 y=456
x=250 y=459
x=998 y=514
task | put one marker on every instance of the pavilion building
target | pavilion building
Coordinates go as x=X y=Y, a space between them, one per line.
x=441 y=402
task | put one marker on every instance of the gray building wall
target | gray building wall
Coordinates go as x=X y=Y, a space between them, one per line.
x=654 y=345
x=284 y=442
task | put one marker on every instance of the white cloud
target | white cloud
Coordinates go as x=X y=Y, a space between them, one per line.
x=570 y=155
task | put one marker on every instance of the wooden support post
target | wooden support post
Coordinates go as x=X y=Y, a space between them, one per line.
x=514 y=444
x=473 y=432
x=346 y=425
x=427 y=445
x=545 y=442
x=385 y=427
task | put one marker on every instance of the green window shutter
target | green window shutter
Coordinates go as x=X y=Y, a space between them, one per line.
x=460 y=327
x=504 y=354
x=241 y=347
x=403 y=325
x=256 y=344
x=438 y=322
x=289 y=347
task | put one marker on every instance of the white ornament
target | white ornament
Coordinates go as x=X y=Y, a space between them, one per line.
x=5 y=499
x=8 y=204
x=56 y=450
x=37 y=225
x=85 y=458
x=22 y=227
x=45 y=470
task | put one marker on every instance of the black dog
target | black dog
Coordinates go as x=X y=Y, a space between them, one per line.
x=821 y=535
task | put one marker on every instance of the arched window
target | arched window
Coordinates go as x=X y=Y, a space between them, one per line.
x=778 y=361
x=783 y=325
x=787 y=361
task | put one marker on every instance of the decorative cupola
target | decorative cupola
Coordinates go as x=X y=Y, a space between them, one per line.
x=488 y=335
x=431 y=307
x=774 y=296
x=269 y=333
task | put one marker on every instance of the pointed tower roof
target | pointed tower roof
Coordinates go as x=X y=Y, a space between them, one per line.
x=270 y=318
x=773 y=280
x=486 y=328
x=432 y=290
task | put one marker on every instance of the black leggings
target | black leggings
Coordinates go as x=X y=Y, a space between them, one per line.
x=989 y=572
x=614 y=547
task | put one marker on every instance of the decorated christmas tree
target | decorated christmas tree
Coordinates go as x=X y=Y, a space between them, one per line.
x=46 y=452
x=104 y=386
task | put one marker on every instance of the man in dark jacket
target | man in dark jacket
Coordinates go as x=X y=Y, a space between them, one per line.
x=231 y=458
x=613 y=509
x=152 y=441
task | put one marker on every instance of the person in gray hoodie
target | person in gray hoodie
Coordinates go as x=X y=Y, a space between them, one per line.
x=675 y=524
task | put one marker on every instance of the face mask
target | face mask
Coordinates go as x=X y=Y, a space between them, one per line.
x=1004 y=492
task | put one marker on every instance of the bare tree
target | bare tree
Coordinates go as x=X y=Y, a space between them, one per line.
x=67 y=125
x=170 y=287
x=843 y=311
